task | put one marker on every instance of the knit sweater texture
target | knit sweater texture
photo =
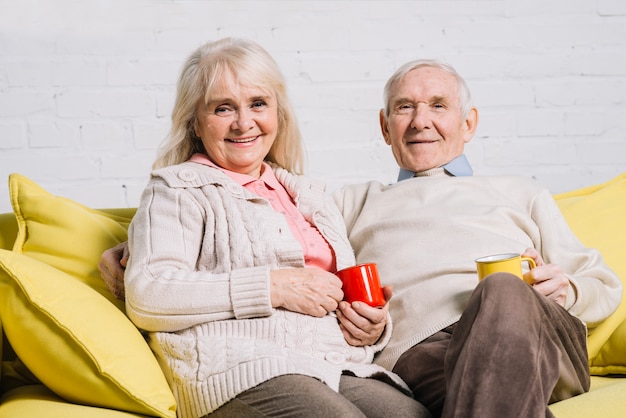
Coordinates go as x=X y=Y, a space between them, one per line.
x=425 y=233
x=202 y=247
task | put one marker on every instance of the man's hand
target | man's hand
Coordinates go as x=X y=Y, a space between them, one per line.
x=311 y=291
x=547 y=279
x=112 y=265
x=362 y=324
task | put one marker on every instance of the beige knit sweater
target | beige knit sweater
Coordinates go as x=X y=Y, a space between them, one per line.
x=426 y=232
x=202 y=247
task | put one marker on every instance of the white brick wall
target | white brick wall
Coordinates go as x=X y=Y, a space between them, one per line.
x=86 y=87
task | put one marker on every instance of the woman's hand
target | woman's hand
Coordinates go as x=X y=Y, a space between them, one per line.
x=311 y=291
x=547 y=279
x=111 y=266
x=362 y=324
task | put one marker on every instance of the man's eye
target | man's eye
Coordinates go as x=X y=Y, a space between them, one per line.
x=404 y=108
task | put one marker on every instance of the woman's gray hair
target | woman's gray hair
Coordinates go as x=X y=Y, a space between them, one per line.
x=465 y=98
x=246 y=62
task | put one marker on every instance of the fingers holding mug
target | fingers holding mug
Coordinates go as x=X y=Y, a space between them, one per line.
x=361 y=283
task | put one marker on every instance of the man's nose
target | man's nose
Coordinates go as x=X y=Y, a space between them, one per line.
x=421 y=118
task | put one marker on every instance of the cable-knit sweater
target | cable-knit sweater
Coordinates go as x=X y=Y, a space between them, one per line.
x=426 y=232
x=202 y=247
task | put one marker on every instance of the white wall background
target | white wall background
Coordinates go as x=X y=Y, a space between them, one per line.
x=86 y=87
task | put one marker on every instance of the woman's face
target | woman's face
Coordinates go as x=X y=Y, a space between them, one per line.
x=238 y=126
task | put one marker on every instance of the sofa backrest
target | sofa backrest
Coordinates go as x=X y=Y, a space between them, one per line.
x=8 y=230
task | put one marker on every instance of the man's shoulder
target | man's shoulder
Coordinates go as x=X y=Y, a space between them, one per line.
x=509 y=181
x=358 y=189
x=352 y=197
x=514 y=187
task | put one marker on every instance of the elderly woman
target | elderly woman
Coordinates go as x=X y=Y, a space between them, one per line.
x=232 y=255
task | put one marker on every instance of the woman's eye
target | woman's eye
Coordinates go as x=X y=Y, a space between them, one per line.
x=221 y=110
x=259 y=104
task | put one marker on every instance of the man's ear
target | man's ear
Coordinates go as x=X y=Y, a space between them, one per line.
x=384 y=128
x=470 y=124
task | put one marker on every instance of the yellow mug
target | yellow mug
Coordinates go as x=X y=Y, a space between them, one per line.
x=502 y=263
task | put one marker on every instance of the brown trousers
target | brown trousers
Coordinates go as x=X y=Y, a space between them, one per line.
x=511 y=354
x=296 y=396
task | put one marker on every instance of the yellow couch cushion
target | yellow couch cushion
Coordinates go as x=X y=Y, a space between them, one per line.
x=38 y=401
x=605 y=399
x=76 y=342
x=597 y=215
x=64 y=234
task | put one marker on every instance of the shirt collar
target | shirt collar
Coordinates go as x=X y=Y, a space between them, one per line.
x=267 y=175
x=459 y=167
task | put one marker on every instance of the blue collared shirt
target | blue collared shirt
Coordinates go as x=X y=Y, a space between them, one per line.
x=459 y=167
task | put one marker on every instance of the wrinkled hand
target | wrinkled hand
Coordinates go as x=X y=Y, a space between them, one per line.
x=311 y=291
x=111 y=266
x=547 y=279
x=362 y=324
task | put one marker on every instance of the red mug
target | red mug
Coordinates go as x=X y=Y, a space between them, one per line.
x=361 y=283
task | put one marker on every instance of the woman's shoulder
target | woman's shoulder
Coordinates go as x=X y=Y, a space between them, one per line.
x=189 y=174
x=297 y=181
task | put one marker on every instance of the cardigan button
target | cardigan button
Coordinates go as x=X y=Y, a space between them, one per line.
x=186 y=175
x=335 y=358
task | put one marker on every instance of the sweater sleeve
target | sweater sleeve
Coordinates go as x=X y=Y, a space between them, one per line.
x=166 y=289
x=595 y=290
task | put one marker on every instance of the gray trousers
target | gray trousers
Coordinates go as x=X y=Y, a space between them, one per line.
x=303 y=396
x=511 y=354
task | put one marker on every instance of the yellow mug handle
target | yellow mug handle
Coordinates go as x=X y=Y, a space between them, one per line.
x=531 y=262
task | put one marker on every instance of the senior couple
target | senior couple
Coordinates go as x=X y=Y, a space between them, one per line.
x=232 y=255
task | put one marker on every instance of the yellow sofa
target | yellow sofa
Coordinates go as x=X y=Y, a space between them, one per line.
x=69 y=351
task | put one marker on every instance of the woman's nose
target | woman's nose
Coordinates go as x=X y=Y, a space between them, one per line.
x=243 y=120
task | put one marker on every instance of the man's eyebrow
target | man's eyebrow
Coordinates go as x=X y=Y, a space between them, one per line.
x=433 y=99
x=439 y=99
x=401 y=100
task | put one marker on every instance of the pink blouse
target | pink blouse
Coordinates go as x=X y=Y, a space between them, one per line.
x=317 y=252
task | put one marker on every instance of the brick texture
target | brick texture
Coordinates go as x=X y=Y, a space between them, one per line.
x=86 y=88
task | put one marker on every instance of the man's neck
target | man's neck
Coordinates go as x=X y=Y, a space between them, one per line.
x=458 y=167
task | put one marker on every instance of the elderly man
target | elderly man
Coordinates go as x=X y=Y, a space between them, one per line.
x=501 y=347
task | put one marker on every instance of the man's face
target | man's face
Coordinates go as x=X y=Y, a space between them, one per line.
x=425 y=127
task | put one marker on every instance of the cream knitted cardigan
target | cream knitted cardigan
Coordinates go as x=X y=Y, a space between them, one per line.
x=426 y=232
x=202 y=247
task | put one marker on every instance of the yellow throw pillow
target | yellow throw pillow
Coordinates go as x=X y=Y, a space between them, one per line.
x=597 y=215
x=76 y=342
x=64 y=234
